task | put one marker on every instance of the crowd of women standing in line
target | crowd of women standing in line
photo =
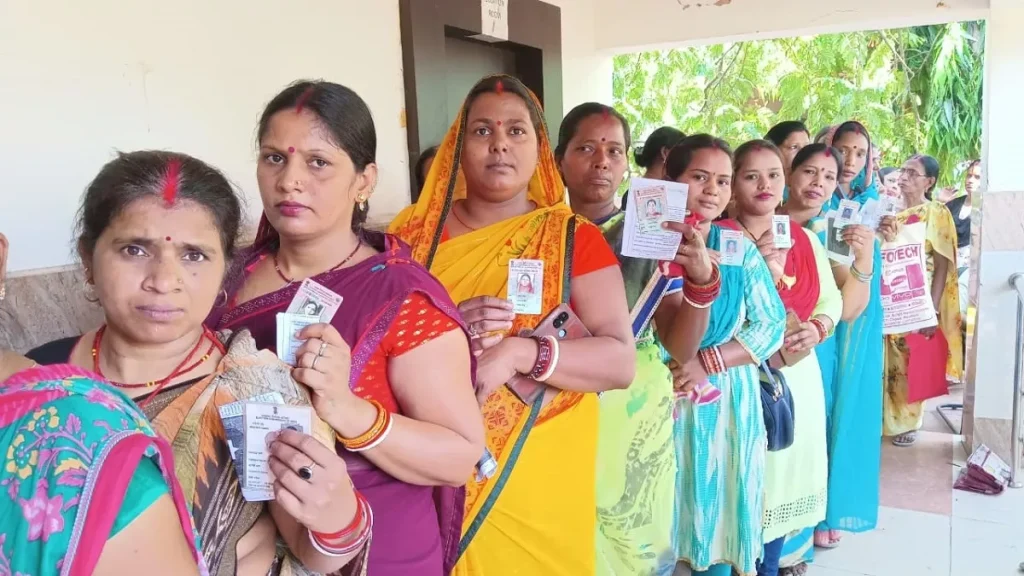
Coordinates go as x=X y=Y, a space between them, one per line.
x=611 y=470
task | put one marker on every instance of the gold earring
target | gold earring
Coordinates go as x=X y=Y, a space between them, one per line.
x=361 y=201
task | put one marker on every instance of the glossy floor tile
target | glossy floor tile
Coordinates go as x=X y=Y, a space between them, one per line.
x=925 y=527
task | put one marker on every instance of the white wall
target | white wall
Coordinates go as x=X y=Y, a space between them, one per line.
x=81 y=79
x=586 y=70
x=651 y=24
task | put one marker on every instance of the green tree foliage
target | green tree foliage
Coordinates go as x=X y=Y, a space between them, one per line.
x=916 y=89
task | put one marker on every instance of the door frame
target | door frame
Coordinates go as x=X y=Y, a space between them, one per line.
x=535 y=37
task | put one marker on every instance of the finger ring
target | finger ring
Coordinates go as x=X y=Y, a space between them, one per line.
x=313 y=365
x=306 y=473
x=323 y=346
x=472 y=330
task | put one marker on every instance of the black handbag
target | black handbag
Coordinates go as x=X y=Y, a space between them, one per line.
x=777 y=405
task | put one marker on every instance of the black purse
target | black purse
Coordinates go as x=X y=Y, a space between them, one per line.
x=777 y=405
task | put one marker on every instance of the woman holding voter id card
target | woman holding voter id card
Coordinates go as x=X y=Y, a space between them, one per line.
x=929 y=224
x=796 y=478
x=636 y=461
x=494 y=208
x=721 y=445
x=156 y=232
x=387 y=358
x=852 y=374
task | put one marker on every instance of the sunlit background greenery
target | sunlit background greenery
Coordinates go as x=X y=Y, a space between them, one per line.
x=916 y=89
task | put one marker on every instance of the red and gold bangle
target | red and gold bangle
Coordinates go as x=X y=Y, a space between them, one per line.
x=375 y=435
x=547 y=358
x=711 y=359
x=703 y=295
x=819 y=325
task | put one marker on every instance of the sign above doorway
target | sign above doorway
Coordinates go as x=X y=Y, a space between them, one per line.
x=494 y=21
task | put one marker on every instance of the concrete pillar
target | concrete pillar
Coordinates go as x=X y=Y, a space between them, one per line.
x=999 y=247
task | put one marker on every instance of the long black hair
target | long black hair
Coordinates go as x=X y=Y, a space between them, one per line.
x=664 y=138
x=778 y=133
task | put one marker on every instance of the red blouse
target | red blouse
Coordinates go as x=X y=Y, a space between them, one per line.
x=417 y=323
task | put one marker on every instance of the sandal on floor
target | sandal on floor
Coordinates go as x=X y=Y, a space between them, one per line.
x=906 y=439
x=827 y=538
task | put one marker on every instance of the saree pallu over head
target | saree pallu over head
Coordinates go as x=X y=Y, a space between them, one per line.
x=544 y=521
x=408 y=519
x=864 y=182
x=74 y=448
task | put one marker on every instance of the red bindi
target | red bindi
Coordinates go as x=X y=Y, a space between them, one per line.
x=168 y=239
x=602 y=139
x=499 y=122
x=291 y=149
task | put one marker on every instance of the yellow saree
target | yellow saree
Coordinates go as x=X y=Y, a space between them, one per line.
x=900 y=416
x=544 y=521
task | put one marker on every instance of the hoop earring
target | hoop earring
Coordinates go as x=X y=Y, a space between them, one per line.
x=223 y=293
x=90 y=294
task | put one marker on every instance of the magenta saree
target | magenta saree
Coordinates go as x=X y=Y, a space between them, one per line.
x=416 y=528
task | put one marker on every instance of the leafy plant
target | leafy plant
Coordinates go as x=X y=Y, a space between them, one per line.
x=916 y=89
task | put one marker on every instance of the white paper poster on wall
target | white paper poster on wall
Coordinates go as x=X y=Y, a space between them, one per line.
x=494 y=20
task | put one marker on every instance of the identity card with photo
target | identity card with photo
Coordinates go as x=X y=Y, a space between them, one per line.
x=234 y=428
x=848 y=213
x=651 y=202
x=732 y=248
x=837 y=248
x=525 y=285
x=642 y=234
x=781 y=232
x=871 y=214
x=314 y=299
x=889 y=206
x=288 y=327
x=263 y=423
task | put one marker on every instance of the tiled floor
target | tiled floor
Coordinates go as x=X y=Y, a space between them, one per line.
x=925 y=527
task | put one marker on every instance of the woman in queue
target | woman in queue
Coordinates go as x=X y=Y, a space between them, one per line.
x=721 y=445
x=928 y=223
x=789 y=137
x=391 y=373
x=156 y=231
x=849 y=374
x=796 y=479
x=139 y=519
x=494 y=198
x=636 y=462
